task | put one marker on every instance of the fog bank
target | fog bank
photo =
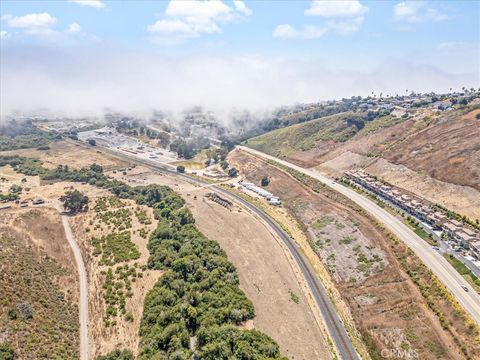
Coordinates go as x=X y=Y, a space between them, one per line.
x=86 y=82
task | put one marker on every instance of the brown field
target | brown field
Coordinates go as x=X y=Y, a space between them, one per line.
x=387 y=307
x=266 y=274
x=68 y=153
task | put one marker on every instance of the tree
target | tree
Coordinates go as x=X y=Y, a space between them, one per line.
x=96 y=168
x=224 y=164
x=232 y=172
x=265 y=181
x=163 y=139
x=92 y=142
x=180 y=169
x=16 y=189
x=74 y=201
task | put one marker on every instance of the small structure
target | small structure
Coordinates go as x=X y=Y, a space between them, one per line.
x=220 y=200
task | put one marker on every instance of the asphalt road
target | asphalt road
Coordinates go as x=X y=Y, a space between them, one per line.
x=452 y=280
x=82 y=274
x=333 y=323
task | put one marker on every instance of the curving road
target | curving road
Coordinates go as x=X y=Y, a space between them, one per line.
x=452 y=280
x=82 y=274
x=332 y=321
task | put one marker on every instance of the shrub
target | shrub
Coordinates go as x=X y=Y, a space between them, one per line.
x=180 y=169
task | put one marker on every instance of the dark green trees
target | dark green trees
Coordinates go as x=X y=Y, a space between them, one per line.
x=74 y=201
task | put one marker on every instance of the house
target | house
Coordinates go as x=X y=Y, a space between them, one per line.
x=450 y=229
x=475 y=248
x=464 y=239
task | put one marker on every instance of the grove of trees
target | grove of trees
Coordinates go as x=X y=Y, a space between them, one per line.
x=198 y=294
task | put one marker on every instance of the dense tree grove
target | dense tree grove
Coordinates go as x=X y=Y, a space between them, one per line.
x=198 y=294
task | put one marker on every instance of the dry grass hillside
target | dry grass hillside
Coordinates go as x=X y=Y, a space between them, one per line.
x=38 y=282
x=440 y=151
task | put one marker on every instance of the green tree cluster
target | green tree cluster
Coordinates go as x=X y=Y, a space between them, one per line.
x=198 y=295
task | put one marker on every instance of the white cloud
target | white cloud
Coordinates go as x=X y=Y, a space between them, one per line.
x=338 y=8
x=92 y=3
x=286 y=31
x=4 y=34
x=344 y=17
x=74 y=28
x=30 y=21
x=417 y=11
x=345 y=27
x=191 y=18
x=241 y=7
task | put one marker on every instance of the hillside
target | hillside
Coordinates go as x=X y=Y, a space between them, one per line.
x=440 y=151
x=320 y=134
x=38 y=302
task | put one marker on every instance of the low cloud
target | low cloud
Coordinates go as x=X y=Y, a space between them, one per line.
x=65 y=83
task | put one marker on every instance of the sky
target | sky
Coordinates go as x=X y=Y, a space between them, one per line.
x=81 y=57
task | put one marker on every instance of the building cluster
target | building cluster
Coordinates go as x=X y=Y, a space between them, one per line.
x=421 y=209
x=440 y=102
x=272 y=199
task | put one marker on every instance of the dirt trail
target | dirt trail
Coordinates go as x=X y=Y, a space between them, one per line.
x=82 y=274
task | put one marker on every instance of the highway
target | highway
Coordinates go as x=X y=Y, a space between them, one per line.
x=332 y=321
x=452 y=280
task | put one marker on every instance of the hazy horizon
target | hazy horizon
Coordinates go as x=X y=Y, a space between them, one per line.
x=56 y=56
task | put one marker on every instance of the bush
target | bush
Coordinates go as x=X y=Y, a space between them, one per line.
x=117 y=355
x=25 y=310
x=233 y=172
x=180 y=169
x=6 y=352
x=265 y=181
x=12 y=314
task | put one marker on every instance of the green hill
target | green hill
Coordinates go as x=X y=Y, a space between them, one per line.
x=305 y=136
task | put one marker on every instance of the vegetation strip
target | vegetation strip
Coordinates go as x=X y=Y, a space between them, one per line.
x=196 y=306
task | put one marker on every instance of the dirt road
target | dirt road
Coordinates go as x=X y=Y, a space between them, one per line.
x=82 y=274
x=452 y=280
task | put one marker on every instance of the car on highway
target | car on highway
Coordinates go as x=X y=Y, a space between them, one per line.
x=465 y=288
